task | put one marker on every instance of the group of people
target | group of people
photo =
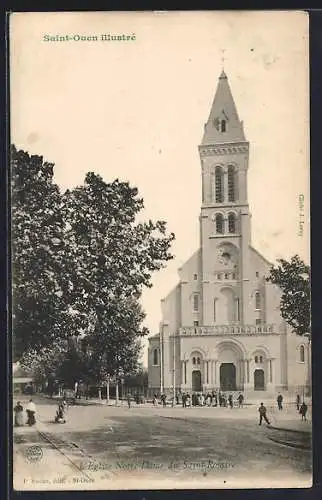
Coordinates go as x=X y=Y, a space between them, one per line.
x=301 y=408
x=212 y=398
x=19 y=414
x=60 y=417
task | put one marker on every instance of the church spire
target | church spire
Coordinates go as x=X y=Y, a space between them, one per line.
x=223 y=124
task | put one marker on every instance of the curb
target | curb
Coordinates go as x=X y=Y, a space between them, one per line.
x=291 y=444
x=285 y=429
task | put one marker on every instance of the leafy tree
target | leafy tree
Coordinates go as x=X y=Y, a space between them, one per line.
x=80 y=263
x=40 y=313
x=293 y=278
x=114 y=258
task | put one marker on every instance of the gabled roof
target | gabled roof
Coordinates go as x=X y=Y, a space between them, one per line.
x=223 y=108
x=260 y=255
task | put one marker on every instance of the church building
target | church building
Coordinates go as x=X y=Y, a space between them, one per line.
x=221 y=326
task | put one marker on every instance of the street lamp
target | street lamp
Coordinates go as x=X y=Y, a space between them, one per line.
x=308 y=337
x=174 y=371
x=122 y=388
x=108 y=389
x=161 y=357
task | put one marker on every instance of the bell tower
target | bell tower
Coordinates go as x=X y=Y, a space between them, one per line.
x=225 y=218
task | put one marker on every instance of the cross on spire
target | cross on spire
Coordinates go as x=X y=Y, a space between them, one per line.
x=223 y=58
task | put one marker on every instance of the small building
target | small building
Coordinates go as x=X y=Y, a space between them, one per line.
x=22 y=382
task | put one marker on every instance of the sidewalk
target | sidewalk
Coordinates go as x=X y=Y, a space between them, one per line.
x=39 y=465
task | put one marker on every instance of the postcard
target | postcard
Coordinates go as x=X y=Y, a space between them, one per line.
x=160 y=221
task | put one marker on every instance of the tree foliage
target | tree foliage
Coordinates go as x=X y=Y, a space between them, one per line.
x=39 y=311
x=293 y=278
x=80 y=263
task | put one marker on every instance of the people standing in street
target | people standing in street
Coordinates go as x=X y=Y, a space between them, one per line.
x=155 y=400
x=280 y=401
x=262 y=414
x=129 y=400
x=240 y=400
x=230 y=401
x=164 y=400
x=298 y=399
x=31 y=413
x=184 y=400
x=60 y=414
x=303 y=410
x=18 y=409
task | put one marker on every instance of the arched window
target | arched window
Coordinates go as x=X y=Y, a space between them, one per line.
x=256 y=359
x=231 y=184
x=261 y=359
x=193 y=360
x=223 y=125
x=198 y=361
x=155 y=357
x=231 y=223
x=257 y=300
x=196 y=302
x=219 y=185
x=219 y=224
x=302 y=354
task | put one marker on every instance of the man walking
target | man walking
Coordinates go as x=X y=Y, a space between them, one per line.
x=262 y=414
x=280 y=401
x=129 y=400
x=303 y=410
x=240 y=400
x=164 y=400
x=298 y=402
x=230 y=400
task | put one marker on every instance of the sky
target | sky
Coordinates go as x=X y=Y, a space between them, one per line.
x=135 y=110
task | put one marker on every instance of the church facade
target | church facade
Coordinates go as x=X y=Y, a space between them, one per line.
x=221 y=326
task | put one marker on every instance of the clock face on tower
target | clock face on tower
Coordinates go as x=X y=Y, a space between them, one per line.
x=227 y=255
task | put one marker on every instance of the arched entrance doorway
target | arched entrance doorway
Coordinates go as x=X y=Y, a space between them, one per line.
x=230 y=365
x=227 y=377
x=196 y=381
x=259 y=380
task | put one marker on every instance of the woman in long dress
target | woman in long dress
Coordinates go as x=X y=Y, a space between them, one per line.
x=18 y=409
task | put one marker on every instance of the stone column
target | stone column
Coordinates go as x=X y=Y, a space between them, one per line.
x=205 y=373
x=183 y=382
x=247 y=375
x=188 y=372
x=270 y=374
x=211 y=374
x=217 y=374
x=240 y=375
x=225 y=190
